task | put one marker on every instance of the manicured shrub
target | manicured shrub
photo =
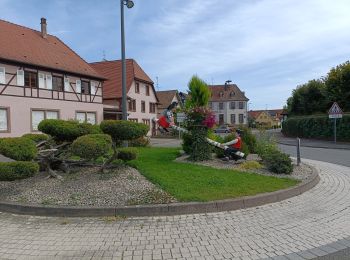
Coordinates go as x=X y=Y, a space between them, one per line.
x=68 y=131
x=92 y=146
x=140 y=142
x=187 y=143
x=127 y=154
x=278 y=162
x=200 y=148
x=249 y=139
x=10 y=171
x=320 y=127
x=18 y=148
x=121 y=130
x=36 y=137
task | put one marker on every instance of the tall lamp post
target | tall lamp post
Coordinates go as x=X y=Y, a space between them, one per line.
x=129 y=4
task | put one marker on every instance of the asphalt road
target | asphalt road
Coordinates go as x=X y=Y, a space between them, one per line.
x=337 y=156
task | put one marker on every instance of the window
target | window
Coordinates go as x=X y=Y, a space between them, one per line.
x=20 y=78
x=133 y=120
x=4 y=119
x=66 y=84
x=146 y=121
x=132 y=105
x=221 y=119
x=221 y=94
x=233 y=105
x=152 y=107
x=40 y=115
x=30 y=79
x=78 y=86
x=57 y=83
x=86 y=117
x=241 y=105
x=232 y=94
x=85 y=87
x=221 y=105
x=143 y=106
x=241 y=121
x=137 y=88
x=147 y=90
x=233 y=119
x=2 y=75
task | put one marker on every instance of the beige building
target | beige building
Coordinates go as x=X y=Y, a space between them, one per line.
x=229 y=104
x=141 y=96
x=40 y=78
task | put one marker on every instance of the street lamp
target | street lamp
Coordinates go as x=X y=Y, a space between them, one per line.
x=129 y=4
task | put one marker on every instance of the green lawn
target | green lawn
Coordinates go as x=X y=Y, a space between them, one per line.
x=188 y=182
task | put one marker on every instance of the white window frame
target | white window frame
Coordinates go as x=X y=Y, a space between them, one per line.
x=86 y=116
x=49 y=81
x=8 y=121
x=41 y=79
x=78 y=86
x=2 y=75
x=66 y=83
x=45 y=111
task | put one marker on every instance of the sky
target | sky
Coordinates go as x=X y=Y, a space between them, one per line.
x=266 y=47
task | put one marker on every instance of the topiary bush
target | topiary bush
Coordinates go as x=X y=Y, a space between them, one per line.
x=10 y=171
x=18 y=148
x=127 y=154
x=121 y=130
x=248 y=139
x=278 y=162
x=200 y=149
x=67 y=131
x=37 y=138
x=92 y=146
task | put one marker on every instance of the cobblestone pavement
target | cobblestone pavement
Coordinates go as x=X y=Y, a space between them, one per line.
x=313 y=224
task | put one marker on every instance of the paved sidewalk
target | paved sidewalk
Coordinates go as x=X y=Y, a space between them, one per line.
x=308 y=226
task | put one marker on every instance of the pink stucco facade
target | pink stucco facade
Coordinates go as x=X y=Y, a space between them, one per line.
x=19 y=101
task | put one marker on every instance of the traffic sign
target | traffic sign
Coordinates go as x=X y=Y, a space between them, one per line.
x=335 y=111
x=180 y=117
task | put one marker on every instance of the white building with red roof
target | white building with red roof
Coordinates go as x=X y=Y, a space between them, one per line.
x=41 y=77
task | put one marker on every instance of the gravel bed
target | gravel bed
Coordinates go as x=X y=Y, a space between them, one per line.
x=86 y=187
x=301 y=172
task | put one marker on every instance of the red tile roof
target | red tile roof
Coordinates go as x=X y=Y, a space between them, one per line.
x=237 y=94
x=27 y=46
x=112 y=71
x=165 y=97
x=275 y=113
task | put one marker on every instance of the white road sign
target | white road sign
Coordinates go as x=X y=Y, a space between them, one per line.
x=180 y=117
x=335 y=111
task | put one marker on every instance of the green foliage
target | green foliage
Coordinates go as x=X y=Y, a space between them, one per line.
x=37 y=138
x=217 y=138
x=18 y=148
x=250 y=165
x=338 y=85
x=127 y=154
x=187 y=143
x=278 y=162
x=248 y=139
x=320 y=127
x=10 y=171
x=67 y=131
x=199 y=93
x=309 y=98
x=200 y=149
x=121 y=130
x=92 y=146
x=140 y=142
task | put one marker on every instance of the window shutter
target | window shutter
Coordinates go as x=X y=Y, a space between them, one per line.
x=93 y=87
x=41 y=80
x=66 y=84
x=2 y=75
x=78 y=86
x=20 y=78
x=49 y=81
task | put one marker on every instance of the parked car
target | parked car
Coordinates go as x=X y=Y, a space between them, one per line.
x=223 y=129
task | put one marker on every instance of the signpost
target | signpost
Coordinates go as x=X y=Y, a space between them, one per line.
x=335 y=112
x=180 y=118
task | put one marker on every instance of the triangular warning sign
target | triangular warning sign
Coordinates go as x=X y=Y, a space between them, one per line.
x=335 y=109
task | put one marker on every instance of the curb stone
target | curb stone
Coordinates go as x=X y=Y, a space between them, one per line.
x=163 y=209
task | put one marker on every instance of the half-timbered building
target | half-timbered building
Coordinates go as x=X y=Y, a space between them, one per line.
x=42 y=78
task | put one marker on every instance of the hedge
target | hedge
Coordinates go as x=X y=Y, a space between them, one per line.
x=121 y=130
x=320 y=127
x=10 y=171
x=92 y=146
x=18 y=148
x=127 y=154
x=70 y=130
x=36 y=137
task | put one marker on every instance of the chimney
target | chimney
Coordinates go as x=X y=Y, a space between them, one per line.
x=43 y=28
